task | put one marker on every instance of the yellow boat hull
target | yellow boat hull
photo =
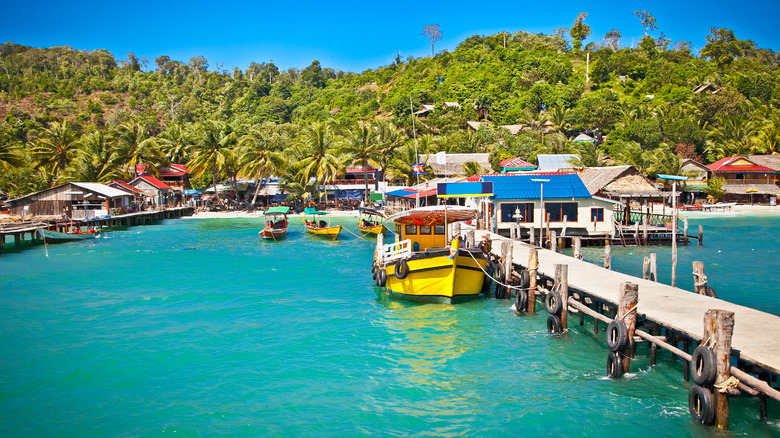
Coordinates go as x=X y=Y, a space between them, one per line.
x=375 y=229
x=329 y=232
x=434 y=277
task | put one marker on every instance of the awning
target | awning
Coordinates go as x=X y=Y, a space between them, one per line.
x=353 y=195
x=311 y=210
x=401 y=192
x=277 y=210
x=279 y=197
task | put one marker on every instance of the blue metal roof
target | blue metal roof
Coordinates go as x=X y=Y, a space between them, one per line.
x=559 y=186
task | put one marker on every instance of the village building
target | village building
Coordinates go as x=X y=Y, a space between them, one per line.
x=74 y=200
x=555 y=162
x=745 y=180
x=516 y=165
x=770 y=161
x=449 y=165
x=527 y=199
x=156 y=193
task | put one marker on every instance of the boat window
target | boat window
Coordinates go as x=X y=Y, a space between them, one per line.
x=438 y=229
x=425 y=229
x=411 y=230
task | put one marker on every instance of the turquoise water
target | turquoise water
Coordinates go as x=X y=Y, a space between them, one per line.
x=199 y=328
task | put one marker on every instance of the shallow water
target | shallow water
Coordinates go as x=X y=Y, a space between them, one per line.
x=199 y=328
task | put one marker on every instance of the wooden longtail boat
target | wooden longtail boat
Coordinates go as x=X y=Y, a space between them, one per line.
x=320 y=227
x=275 y=223
x=371 y=221
x=56 y=236
x=422 y=265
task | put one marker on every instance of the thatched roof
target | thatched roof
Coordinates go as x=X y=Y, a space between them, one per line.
x=514 y=129
x=476 y=125
x=615 y=179
x=454 y=163
x=757 y=189
x=770 y=161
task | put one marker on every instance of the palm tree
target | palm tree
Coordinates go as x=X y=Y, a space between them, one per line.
x=733 y=135
x=9 y=157
x=632 y=153
x=557 y=115
x=134 y=147
x=401 y=164
x=769 y=137
x=317 y=146
x=54 y=148
x=176 y=141
x=471 y=168
x=388 y=139
x=96 y=160
x=715 y=188
x=261 y=155
x=209 y=153
x=360 y=146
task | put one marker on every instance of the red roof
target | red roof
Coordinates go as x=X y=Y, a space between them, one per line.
x=423 y=194
x=360 y=170
x=516 y=162
x=154 y=181
x=727 y=164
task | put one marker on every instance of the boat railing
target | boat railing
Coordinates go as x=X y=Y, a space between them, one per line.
x=396 y=251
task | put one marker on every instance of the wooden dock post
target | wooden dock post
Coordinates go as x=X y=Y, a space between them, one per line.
x=533 y=266
x=644 y=229
x=547 y=223
x=563 y=231
x=636 y=234
x=562 y=283
x=2 y=242
x=701 y=235
x=607 y=255
x=653 y=267
x=719 y=326
x=629 y=297
x=532 y=236
x=699 y=279
x=685 y=230
x=470 y=239
x=17 y=240
x=577 y=248
x=553 y=242
x=646 y=268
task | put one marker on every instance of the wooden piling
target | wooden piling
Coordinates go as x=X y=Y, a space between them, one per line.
x=533 y=266
x=553 y=242
x=629 y=297
x=577 y=248
x=532 y=236
x=470 y=239
x=563 y=231
x=699 y=279
x=562 y=280
x=644 y=229
x=607 y=255
x=701 y=235
x=646 y=268
x=547 y=234
x=685 y=230
x=636 y=234
x=17 y=240
x=653 y=267
x=718 y=329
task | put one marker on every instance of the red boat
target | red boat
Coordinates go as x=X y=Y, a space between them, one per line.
x=275 y=223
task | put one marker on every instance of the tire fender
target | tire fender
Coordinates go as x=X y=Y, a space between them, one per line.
x=617 y=335
x=553 y=302
x=703 y=366
x=401 y=269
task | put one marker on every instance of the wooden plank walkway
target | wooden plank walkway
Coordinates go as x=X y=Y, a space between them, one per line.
x=755 y=332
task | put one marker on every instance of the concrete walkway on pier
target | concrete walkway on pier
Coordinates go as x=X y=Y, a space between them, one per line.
x=755 y=338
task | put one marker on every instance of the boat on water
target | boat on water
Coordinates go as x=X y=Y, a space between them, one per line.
x=275 y=223
x=319 y=227
x=421 y=265
x=70 y=236
x=371 y=221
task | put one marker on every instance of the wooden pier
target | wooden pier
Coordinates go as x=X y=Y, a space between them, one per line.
x=18 y=231
x=588 y=289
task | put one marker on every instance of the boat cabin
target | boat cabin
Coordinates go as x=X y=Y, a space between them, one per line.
x=422 y=236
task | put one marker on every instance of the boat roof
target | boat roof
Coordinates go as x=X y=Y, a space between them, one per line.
x=364 y=210
x=312 y=210
x=434 y=215
x=277 y=210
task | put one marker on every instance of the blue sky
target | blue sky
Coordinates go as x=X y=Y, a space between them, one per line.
x=352 y=35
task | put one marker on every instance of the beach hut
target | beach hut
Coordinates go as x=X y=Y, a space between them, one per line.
x=76 y=200
x=156 y=192
x=527 y=199
x=448 y=165
x=746 y=180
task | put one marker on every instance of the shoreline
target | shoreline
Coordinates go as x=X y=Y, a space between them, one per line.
x=258 y=214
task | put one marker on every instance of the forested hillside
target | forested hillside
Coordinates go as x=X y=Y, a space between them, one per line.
x=77 y=115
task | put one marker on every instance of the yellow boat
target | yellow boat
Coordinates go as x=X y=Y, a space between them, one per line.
x=320 y=227
x=371 y=221
x=421 y=266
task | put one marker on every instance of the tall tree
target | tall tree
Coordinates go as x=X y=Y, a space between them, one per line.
x=209 y=152
x=262 y=152
x=722 y=47
x=54 y=148
x=433 y=33
x=579 y=31
x=360 y=146
x=96 y=160
x=9 y=156
x=136 y=147
x=647 y=19
x=612 y=39
x=176 y=141
x=318 y=160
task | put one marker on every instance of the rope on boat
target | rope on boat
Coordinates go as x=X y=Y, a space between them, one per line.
x=508 y=286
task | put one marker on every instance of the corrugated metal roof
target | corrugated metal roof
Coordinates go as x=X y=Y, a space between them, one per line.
x=101 y=189
x=548 y=162
x=559 y=186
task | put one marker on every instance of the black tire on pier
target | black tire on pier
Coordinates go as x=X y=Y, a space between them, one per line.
x=701 y=405
x=703 y=366
x=521 y=301
x=617 y=335
x=614 y=365
x=554 y=324
x=553 y=302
